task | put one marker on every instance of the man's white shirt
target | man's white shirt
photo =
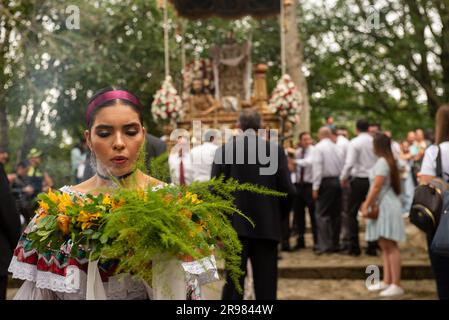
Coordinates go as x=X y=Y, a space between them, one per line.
x=360 y=157
x=327 y=162
x=202 y=157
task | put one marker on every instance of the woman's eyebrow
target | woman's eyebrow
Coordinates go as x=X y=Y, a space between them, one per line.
x=103 y=126
x=106 y=126
x=132 y=124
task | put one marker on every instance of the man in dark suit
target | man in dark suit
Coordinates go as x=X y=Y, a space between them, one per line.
x=250 y=158
x=154 y=148
x=9 y=228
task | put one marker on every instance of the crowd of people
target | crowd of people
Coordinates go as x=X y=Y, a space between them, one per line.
x=335 y=181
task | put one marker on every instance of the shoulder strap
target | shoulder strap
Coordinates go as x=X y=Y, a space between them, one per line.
x=439 y=169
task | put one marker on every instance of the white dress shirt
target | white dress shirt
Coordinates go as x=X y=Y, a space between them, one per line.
x=306 y=162
x=202 y=157
x=173 y=161
x=343 y=144
x=327 y=162
x=360 y=157
x=429 y=163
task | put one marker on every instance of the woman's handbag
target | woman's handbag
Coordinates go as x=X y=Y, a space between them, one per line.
x=373 y=212
x=440 y=242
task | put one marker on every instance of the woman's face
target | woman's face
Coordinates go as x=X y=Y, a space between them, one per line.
x=115 y=139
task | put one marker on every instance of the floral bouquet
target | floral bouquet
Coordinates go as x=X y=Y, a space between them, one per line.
x=166 y=105
x=285 y=99
x=134 y=226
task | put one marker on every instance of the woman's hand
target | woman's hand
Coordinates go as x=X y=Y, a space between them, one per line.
x=364 y=209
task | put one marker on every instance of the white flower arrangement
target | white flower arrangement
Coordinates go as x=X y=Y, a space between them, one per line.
x=285 y=99
x=166 y=106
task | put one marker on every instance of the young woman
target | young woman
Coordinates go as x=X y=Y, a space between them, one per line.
x=440 y=264
x=114 y=135
x=388 y=228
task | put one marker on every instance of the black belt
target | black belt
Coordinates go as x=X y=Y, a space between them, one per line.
x=305 y=184
x=330 y=178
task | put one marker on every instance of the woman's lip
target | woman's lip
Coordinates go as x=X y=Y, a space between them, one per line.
x=119 y=160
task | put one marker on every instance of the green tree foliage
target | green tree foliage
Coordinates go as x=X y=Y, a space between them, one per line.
x=395 y=73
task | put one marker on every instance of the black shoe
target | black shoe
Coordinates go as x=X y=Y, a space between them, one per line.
x=321 y=252
x=354 y=252
x=301 y=244
x=351 y=252
x=371 y=252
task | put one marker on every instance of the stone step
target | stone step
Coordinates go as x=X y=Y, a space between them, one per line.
x=412 y=272
x=344 y=289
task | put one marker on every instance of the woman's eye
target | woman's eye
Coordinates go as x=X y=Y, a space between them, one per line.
x=132 y=132
x=103 y=134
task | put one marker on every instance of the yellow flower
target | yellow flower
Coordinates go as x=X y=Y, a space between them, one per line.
x=86 y=219
x=44 y=206
x=193 y=197
x=63 y=223
x=141 y=194
x=53 y=197
x=64 y=202
x=107 y=200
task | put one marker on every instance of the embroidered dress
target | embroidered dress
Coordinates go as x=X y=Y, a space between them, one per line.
x=63 y=274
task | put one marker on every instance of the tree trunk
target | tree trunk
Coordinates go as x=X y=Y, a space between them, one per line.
x=294 y=62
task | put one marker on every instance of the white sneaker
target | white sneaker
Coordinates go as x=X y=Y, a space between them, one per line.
x=391 y=291
x=378 y=286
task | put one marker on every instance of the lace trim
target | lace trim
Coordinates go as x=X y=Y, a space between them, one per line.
x=117 y=287
x=47 y=280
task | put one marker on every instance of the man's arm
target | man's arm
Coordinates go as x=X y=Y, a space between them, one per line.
x=317 y=169
x=307 y=161
x=349 y=161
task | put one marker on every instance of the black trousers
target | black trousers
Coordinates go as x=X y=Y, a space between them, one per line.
x=3 y=287
x=440 y=268
x=358 y=193
x=345 y=240
x=328 y=215
x=302 y=201
x=263 y=254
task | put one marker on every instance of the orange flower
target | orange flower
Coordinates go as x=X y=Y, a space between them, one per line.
x=167 y=199
x=186 y=212
x=42 y=211
x=117 y=204
x=41 y=214
x=63 y=223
